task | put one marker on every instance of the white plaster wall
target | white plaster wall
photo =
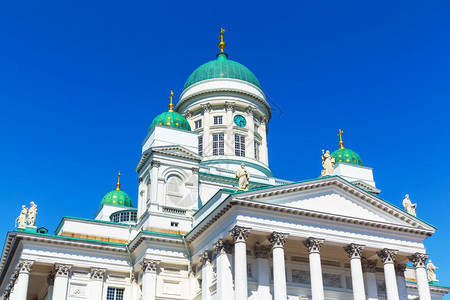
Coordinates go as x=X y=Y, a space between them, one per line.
x=166 y=136
x=354 y=173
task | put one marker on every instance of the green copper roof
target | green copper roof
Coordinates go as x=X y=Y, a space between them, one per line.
x=347 y=156
x=222 y=67
x=171 y=119
x=118 y=198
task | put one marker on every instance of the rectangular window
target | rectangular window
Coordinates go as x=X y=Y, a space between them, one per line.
x=217 y=120
x=114 y=293
x=198 y=124
x=239 y=145
x=174 y=224
x=200 y=145
x=256 y=150
x=218 y=144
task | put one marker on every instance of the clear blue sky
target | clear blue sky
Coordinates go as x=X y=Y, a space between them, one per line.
x=81 y=82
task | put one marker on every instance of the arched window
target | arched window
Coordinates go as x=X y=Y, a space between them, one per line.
x=175 y=191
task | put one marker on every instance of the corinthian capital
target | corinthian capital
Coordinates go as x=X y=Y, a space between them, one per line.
x=222 y=246
x=229 y=106
x=354 y=250
x=187 y=114
x=314 y=245
x=61 y=270
x=155 y=163
x=419 y=259
x=251 y=110
x=206 y=107
x=149 y=265
x=205 y=258
x=25 y=266
x=277 y=239
x=97 y=273
x=240 y=234
x=387 y=255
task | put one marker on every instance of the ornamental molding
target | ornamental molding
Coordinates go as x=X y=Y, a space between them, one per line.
x=240 y=234
x=98 y=274
x=174 y=151
x=223 y=247
x=354 y=250
x=277 y=239
x=206 y=107
x=155 y=164
x=262 y=251
x=187 y=114
x=205 y=258
x=229 y=106
x=314 y=244
x=24 y=266
x=61 y=270
x=250 y=110
x=149 y=265
x=387 y=255
x=369 y=266
x=195 y=170
x=419 y=259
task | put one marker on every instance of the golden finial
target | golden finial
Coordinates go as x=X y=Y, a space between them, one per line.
x=222 y=44
x=118 y=182
x=171 y=104
x=341 y=143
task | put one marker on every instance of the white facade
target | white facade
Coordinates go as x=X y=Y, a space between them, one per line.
x=197 y=237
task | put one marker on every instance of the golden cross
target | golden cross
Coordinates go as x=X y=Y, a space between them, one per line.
x=118 y=182
x=171 y=104
x=222 y=31
x=341 y=143
x=222 y=44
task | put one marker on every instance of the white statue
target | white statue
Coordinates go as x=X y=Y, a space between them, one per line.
x=22 y=218
x=32 y=212
x=327 y=163
x=431 y=272
x=408 y=206
x=243 y=176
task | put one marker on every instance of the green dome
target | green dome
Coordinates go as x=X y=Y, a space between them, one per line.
x=171 y=119
x=117 y=197
x=347 y=156
x=222 y=67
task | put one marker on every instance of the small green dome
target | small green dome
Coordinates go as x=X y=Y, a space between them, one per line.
x=117 y=197
x=222 y=67
x=171 y=119
x=347 y=156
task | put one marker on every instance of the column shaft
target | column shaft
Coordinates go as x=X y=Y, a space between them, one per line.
x=314 y=245
x=21 y=286
x=240 y=235
x=419 y=260
x=354 y=252
x=207 y=142
x=278 y=240
x=370 y=267
x=207 y=273
x=224 y=270
x=263 y=278
x=60 y=287
x=388 y=257
x=149 y=268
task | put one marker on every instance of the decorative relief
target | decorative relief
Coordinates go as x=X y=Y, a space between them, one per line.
x=381 y=286
x=25 y=266
x=97 y=274
x=251 y=110
x=314 y=245
x=418 y=259
x=195 y=170
x=369 y=265
x=348 y=282
x=229 y=106
x=277 y=239
x=149 y=265
x=332 y=280
x=262 y=251
x=77 y=290
x=222 y=246
x=155 y=164
x=301 y=276
x=206 y=107
x=61 y=270
x=354 y=250
x=240 y=234
x=387 y=255
x=205 y=258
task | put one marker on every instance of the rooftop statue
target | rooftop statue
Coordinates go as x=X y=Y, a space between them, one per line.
x=243 y=176
x=408 y=206
x=32 y=212
x=22 y=218
x=431 y=272
x=327 y=163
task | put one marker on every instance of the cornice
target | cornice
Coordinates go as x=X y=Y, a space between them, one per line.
x=154 y=236
x=160 y=150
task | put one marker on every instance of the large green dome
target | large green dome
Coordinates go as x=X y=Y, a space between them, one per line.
x=347 y=156
x=222 y=67
x=171 y=119
x=117 y=198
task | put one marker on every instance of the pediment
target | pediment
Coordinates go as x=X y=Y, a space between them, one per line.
x=176 y=151
x=337 y=198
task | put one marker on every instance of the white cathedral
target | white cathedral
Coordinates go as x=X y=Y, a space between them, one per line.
x=199 y=232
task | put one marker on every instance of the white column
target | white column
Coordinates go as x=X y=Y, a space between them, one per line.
x=250 y=140
x=50 y=282
x=263 y=148
x=21 y=285
x=279 y=270
x=207 y=141
x=149 y=267
x=401 y=282
x=369 y=269
x=388 y=258
x=61 y=273
x=240 y=235
x=207 y=273
x=224 y=270
x=154 y=174
x=263 y=271
x=419 y=260
x=229 y=137
x=354 y=252
x=134 y=286
x=314 y=245
x=97 y=277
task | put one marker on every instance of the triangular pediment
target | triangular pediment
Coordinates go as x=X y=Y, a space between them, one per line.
x=176 y=151
x=336 y=198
